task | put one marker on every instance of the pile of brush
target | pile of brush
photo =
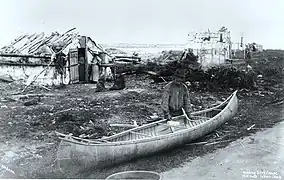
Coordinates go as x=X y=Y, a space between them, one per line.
x=168 y=56
x=212 y=79
x=221 y=77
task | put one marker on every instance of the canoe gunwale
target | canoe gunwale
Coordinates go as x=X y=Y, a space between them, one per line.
x=154 y=138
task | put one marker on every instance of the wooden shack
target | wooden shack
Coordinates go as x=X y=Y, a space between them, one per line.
x=211 y=47
x=29 y=55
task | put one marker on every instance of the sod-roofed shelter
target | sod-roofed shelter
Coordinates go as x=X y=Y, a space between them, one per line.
x=30 y=54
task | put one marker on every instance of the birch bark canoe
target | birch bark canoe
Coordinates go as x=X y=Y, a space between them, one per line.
x=76 y=155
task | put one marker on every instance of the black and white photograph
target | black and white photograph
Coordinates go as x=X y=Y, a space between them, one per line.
x=142 y=89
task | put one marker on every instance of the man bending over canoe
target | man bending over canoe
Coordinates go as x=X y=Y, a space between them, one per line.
x=176 y=97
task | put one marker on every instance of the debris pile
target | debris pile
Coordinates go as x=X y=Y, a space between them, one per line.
x=163 y=66
x=222 y=77
x=213 y=79
x=271 y=69
x=169 y=56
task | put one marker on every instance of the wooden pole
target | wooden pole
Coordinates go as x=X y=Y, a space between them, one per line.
x=51 y=60
x=37 y=76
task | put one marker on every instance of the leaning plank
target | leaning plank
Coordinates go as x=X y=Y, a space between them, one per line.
x=51 y=60
x=37 y=76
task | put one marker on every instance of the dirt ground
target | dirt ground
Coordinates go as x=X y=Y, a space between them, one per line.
x=29 y=145
x=259 y=156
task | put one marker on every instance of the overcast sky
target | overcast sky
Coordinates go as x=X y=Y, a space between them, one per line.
x=145 y=21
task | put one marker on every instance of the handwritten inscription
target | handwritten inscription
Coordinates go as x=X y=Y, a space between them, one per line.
x=261 y=174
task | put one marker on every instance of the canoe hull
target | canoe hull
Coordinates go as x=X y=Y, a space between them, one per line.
x=75 y=157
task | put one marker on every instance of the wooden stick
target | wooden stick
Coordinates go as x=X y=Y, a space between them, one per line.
x=262 y=150
x=35 y=95
x=63 y=110
x=37 y=76
x=185 y=115
x=45 y=88
x=250 y=127
x=198 y=143
x=163 y=79
x=99 y=47
x=123 y=125
x=51 y=60
x=217 y=142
